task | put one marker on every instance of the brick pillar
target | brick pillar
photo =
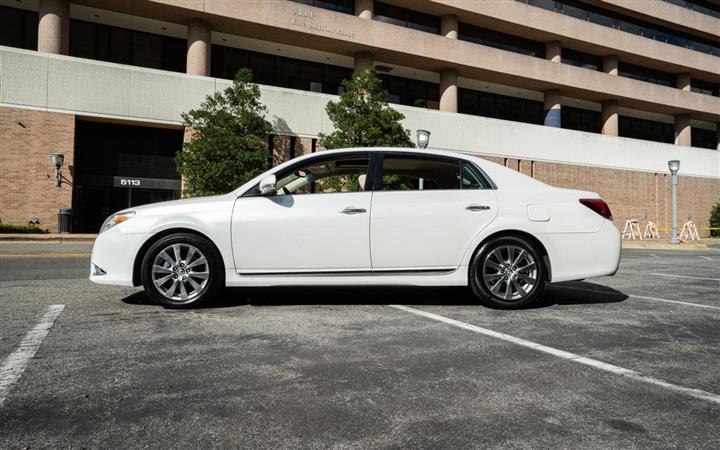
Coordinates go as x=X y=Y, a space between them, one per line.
x=552 y=109
x=553 y=51
x=682 y=130
x=609 y=118
x=363 y=60
x=448 y=90
x=683 y=81
x=198 y=47
x=54 y=26
x=610 y=65
x=364 y=9
x=449 y=26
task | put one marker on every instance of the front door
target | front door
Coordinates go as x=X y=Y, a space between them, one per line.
x=318 y=221
x=426 y=210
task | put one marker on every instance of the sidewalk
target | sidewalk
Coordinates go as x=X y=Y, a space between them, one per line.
x=646 y=244
x=663 y=244
x=51 y=238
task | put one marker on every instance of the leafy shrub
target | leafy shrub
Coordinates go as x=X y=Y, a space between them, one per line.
x=21 y=229
x=715 y=220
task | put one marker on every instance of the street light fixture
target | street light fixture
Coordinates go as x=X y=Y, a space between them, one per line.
x=674 y=166
x=423 y=138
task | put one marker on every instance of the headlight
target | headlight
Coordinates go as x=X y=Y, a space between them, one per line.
x=116 y=219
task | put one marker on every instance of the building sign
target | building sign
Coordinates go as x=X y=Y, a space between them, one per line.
x=304 y=18
x=146 y=183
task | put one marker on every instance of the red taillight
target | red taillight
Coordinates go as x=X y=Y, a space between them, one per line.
x=598 y=205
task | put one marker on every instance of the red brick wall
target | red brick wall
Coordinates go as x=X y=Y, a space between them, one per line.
x=27 y=187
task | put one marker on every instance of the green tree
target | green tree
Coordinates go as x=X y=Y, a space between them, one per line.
x=362 y=117
x=226 y=149
x=715 y=220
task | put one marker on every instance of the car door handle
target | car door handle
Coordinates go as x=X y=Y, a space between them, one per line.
x=353 y=210
x=476 y=207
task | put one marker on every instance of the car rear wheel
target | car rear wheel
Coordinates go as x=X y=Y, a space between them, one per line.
x=507 y=272
x=182 y=271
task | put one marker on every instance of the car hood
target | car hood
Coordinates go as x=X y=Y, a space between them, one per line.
x=185 y=202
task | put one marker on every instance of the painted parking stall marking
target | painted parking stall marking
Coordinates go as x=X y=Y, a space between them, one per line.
x=696 y=393
x=644 y=297
x=14 y=365
x=684 y=276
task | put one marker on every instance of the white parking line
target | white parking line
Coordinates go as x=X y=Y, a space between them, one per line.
x=643 y=297
x=684 y=276
x=14 y=365
x=706 y=257
x=696 y=393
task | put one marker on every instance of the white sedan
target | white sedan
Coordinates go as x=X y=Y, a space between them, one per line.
x=365 y=216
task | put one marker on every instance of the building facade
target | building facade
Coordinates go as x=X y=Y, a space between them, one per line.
x=594 y=94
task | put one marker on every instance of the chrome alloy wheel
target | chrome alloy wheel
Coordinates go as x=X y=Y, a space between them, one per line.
x=509 y=272
x=180 y=272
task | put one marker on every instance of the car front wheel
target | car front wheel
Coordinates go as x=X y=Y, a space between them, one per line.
x=182 y=271
x=507 y=273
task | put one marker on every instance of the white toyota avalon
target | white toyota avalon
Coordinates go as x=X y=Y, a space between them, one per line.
x=365 y=216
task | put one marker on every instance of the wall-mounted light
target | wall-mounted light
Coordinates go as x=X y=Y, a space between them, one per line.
x=423 y=138
x=57 y=160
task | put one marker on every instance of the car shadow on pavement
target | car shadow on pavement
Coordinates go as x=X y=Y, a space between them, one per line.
x=570 y=293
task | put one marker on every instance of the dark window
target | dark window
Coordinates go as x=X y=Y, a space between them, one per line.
x=406 y=18
x=406 y=91
x=645 y=74
x=503 y=41
x=18 y=28
x=703 y=138
x=580 y=119
x=581 y=59
x=343 y=6
x=701 y=6
x=600 y=16
x=278 y=70
x=123 y=46
x=410 y=173
x=346 y=173
x=500 y=106
x=471 y=178
x=648 y=130
x=704 y=87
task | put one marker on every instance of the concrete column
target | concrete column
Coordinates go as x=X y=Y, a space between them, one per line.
x=54 y=26
x=198 y=47
x=553 y=51
x=610 y=65
x=683 y=81
x=448 y=90
x=609 y=118
x=683 y=134
x=449 y=26
x=364 y=8
x=552 y=109
x=363 y=60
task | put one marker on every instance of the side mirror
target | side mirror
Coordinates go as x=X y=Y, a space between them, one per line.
x=267 y=185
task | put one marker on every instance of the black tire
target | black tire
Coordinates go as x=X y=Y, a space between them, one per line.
x=191 y=272
x=484 y=274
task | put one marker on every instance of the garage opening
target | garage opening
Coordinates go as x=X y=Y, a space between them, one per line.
x=119 y=166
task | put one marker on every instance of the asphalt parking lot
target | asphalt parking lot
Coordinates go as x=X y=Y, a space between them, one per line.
x=631 y=361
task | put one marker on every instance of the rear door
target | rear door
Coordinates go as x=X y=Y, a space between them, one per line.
x=426 y=210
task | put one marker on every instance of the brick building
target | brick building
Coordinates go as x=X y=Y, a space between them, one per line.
x=591 y=94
